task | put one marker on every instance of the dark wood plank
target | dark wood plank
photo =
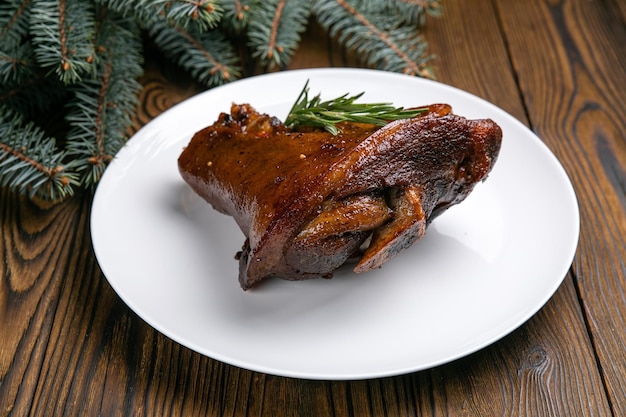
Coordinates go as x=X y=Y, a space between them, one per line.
x=575 y=94
x=545 y=368
x=36 y=242
x=557 y=334
x=469 y=53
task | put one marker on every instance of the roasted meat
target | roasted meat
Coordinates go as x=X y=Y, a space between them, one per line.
x=308 y=201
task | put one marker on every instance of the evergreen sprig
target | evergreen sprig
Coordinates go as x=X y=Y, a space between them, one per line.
x=99 y=113
x=81 y=60
x=207 y=56
x=140 y=10
x=30 y=162
x=237 y=14
x=203 y=14
x=378 y=36
x=198 y=14
x=14 y=21
x=16 y=56
x=275 y=30
x=327 y=114
x=412 y=12
x=62 y=33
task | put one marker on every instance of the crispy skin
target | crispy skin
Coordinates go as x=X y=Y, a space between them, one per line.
x=306 y=201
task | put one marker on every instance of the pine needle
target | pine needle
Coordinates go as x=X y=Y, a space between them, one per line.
x=30 y=162
x=274 y=30
x=382 y=39
x=207 y=56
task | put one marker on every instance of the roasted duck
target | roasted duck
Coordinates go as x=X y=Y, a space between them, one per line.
x=307 y=200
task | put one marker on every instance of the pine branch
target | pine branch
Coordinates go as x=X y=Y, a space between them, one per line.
x=412 y=12
x=200 y=15
x=100 y=113
x=237 y=14
x=375 y=36
x=142 y=11
x=62 y=31
x=23 y=85
x=30 y=162
x=17 y=59
x=17 y=64
x=204 y=14
x=14 y=22
x=207 y=56
x=274 y=30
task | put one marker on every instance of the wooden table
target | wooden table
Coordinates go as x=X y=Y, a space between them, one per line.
x=70 y=346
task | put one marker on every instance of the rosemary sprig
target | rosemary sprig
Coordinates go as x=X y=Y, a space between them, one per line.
x=326 y=114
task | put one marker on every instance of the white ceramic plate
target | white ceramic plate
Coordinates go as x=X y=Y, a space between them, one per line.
x=483 y=268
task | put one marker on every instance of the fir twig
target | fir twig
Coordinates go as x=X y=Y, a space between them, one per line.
x=200 y=15
x=275 y=28
x=14 y=21
x=62 y=31
x=100 y=111
x=141 y=11
x=204 y=14
x=30 y=162
x=412 y=12
x=16 y=54
x=17 y=64
x=237 y=14
x=207 y=56
x=376 y=36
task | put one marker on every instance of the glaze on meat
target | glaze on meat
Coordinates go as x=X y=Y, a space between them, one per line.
x=308 y=201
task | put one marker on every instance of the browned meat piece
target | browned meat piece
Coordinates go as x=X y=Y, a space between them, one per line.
x=307 y=201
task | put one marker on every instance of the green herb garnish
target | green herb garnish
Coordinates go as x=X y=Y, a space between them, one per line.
x=326 y=114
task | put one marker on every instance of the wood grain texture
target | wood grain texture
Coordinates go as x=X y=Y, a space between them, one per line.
x=35 y=243
x=487 y=72
x=577 y=103
x=545 y=368
x=70 y=347
x=473 y=56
